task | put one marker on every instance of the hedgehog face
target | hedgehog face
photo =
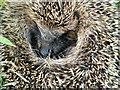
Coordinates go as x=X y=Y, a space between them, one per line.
x=55 y=28
x=50 y=43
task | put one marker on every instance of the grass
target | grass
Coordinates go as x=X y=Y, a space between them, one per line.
x=2 y=3
x=118 y=3
x=3 y=39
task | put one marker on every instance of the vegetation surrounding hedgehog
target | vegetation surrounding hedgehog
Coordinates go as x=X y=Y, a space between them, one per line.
x=60 y=44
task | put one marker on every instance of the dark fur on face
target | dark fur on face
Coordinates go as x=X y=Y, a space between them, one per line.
x=53 y=47
x=58 y=45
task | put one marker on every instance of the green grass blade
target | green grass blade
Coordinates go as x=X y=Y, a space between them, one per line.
x=6 y=41
x=2 y=3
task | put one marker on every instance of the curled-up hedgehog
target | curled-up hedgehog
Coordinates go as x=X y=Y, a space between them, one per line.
x=60 y=44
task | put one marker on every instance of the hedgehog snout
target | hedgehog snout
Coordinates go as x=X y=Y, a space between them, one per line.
x=45 y=51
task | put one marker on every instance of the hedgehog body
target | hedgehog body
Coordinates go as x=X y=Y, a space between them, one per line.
x=93 y=60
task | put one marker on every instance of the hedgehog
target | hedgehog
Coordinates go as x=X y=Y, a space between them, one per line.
x=60 y=44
